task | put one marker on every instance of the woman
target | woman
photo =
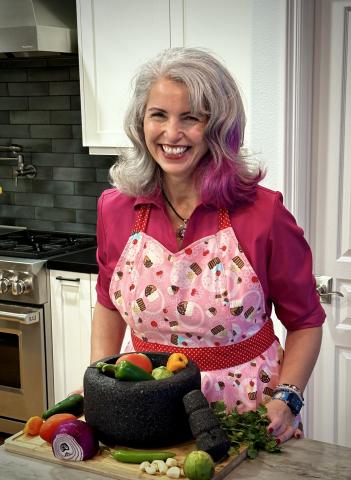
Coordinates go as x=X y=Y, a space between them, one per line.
x=192 y=252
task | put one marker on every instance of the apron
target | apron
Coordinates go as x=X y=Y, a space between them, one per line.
x=205 y=301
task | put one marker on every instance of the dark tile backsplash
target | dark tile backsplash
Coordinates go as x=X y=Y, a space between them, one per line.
x=40 y=110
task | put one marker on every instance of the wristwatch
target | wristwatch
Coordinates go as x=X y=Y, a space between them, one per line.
x=292 y=400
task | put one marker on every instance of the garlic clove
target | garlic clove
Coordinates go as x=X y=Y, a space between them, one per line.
x=171 y=462
x=173 y=472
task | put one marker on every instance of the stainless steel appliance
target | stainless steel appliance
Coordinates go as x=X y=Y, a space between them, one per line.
x=26 y=370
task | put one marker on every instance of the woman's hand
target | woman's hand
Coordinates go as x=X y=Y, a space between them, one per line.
x=284 y=424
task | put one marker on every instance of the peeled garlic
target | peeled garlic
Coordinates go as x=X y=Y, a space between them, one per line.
x=143 y=465
x=160 y=466
x=171 y=462
x=151 y=469
x=173 y=472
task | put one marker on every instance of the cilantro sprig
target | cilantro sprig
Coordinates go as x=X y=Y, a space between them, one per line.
x=248 y=428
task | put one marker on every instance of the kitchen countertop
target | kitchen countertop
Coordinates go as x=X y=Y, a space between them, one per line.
x=83 y=261
x=299 y=459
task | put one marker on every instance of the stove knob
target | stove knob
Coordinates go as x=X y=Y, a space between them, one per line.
x=21 y=286
x=4 y=284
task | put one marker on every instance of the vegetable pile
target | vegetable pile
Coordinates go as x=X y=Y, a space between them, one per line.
x=248 y=428
x=138 y=367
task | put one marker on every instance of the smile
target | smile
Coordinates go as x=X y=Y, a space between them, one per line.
x=174 y=150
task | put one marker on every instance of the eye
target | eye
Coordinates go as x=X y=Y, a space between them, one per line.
x=157 y=115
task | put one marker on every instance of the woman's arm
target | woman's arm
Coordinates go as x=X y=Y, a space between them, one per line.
x=107 y=332
x=301 y=353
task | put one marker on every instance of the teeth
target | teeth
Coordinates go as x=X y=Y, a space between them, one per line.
x=174 y=150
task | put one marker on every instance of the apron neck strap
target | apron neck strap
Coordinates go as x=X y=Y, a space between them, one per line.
x=143 y=214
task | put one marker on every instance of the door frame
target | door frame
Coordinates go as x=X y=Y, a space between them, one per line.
x=298 y=130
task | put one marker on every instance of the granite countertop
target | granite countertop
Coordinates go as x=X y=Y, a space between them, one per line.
x=83 y=261
x=299 y=459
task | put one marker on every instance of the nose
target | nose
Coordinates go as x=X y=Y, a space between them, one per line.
x=173 y=130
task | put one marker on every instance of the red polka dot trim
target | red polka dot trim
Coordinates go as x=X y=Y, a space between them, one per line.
x=217 y=358
x=223 y=219
x=141 y=219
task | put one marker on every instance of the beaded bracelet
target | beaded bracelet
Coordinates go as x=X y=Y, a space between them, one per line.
x=291 y=387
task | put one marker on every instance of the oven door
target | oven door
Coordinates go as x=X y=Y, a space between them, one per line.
x=22 y=365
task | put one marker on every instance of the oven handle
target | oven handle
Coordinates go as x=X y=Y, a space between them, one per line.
x=68 y=279
x=27 y=318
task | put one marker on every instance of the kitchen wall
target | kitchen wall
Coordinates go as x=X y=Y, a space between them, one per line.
x=40 y=110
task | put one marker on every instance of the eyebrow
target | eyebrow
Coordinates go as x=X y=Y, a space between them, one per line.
x=150 y=109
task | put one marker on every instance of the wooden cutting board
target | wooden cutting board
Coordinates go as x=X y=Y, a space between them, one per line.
x=103 y=464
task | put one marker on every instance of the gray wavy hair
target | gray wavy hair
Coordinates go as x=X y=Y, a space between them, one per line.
x=212 y=92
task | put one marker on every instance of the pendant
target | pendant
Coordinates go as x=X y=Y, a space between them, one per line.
x=181 y=231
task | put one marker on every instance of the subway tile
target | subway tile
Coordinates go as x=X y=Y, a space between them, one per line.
x=102 y=175
x=58 y=214
x=43 y=173
x=34 y=199
x=75 y=102
x=52 y=186
x=75 y=201
x=14 y=131
x=15 y=211
x=77 y=131
x=68 y=146
x=29 y=89
x=75 y=227
x=86 y=216
x=29 y=117
x=48 y=74
x=3 y=90
x=4 y=117
x=93 y=161
x=36 y=224
x=69 y=117
x=33 y=144
x=50 y=131
x=13 y=75
x=74 y=174
x=64 y=88
x=13 y=103
x=49 y=103
x=53 y=159
x=74 y=73
x=89 y=188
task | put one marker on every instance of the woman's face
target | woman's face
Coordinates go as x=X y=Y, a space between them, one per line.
x=174 y=135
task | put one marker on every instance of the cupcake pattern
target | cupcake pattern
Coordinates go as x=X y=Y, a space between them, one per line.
x=204 y=295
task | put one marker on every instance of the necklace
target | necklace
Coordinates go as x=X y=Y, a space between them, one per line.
x=181 y=230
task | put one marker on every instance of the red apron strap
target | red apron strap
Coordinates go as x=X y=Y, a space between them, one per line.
x=217 y=358
x=223 y=219
x=141 y=219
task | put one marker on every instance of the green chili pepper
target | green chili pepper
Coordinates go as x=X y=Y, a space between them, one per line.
x=128 y=371
x=72 y=404
x=138 y=456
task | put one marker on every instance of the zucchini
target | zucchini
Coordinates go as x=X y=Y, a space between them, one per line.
x=72 y=404
x=139 y=456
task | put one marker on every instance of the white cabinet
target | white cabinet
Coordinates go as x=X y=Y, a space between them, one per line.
x=71 y=310
x=115 y=37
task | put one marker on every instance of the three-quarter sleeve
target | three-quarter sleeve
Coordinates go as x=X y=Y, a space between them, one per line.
x=292 y=286
x=102 y=257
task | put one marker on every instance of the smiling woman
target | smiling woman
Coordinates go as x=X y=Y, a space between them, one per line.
x=193 y=253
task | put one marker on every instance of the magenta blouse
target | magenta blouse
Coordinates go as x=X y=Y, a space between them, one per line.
x=272 y=241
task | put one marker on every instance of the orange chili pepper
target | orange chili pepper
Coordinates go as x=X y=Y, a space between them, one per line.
x=32 y=427
x=176 y=361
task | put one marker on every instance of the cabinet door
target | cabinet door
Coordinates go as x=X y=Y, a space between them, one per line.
x=114 y=38
x=71 y=326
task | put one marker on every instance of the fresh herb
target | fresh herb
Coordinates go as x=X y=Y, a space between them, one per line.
x=248 y=428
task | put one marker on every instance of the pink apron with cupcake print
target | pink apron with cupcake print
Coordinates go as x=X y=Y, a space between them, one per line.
x=206 y=301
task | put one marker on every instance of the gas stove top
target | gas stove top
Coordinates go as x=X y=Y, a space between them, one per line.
x=37 y=244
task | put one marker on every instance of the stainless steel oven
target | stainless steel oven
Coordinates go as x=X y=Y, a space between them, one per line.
x=23 y=372
x=26 y=370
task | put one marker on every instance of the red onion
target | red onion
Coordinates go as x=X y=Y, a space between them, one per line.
x=74 y=440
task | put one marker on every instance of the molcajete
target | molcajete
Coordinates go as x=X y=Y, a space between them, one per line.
x=139 y=414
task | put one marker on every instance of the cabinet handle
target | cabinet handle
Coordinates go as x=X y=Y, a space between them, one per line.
x=68 y=279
